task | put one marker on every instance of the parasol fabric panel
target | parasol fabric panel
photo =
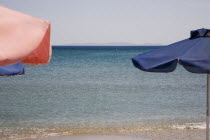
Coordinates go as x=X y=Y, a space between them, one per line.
x=23 y=38
x=192 y=53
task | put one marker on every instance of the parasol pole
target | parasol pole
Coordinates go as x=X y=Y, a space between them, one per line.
x=207 y=107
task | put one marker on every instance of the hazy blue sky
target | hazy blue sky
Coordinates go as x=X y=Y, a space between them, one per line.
x=105 y=21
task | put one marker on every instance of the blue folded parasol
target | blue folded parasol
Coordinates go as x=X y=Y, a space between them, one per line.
x=14 y=69
x=192 y=53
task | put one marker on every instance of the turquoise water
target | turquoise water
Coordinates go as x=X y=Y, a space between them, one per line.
x=97 y=87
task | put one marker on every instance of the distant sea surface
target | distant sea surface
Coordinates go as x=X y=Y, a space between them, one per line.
x=85 y=89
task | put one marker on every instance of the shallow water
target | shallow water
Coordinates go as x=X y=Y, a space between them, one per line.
x=97 y=87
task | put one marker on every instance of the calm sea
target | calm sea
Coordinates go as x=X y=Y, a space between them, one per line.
x=83 y=89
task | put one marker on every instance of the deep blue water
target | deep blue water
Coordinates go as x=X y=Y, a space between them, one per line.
x=93 y=85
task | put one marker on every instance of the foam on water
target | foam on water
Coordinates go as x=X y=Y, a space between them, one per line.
x=40 y=132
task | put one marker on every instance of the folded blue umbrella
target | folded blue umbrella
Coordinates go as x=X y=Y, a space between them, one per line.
x=192 y=53
x=14 y=69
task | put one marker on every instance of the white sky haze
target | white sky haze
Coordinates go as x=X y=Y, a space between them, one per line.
x=105 y=21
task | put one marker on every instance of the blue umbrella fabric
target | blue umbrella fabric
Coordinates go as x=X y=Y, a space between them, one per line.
x=192 y=53
x=14 y=69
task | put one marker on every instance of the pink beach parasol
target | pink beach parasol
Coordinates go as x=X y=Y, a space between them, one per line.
x=23 y=39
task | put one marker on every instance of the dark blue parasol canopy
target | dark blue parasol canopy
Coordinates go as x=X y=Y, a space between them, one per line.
x=192 y=53
x=14 y=69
